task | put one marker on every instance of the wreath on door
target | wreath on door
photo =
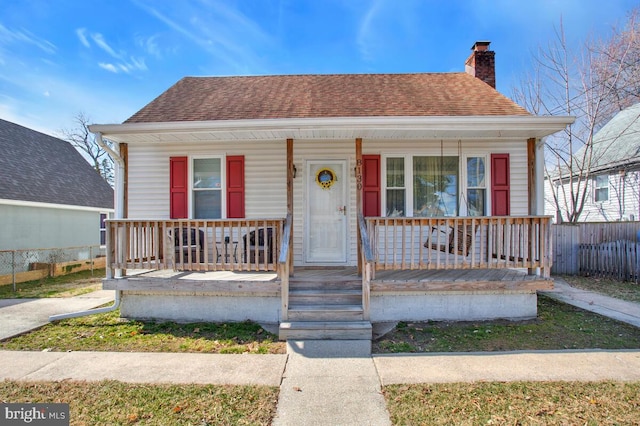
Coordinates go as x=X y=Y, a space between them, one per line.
x=325 y=178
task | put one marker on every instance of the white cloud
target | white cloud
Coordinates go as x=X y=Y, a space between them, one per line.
x=8 y=36
x=109 y=67
x=221 y=31
x=139 y=64
x=150 y=45
x=365 y=30
x=102 y=43
x=125 y=67
x=82 y=35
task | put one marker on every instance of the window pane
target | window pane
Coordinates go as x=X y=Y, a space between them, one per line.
x=395 y=202
x=475 y=172
x=602 y=188
x=207 y=204
x=475 y=200
x=602 y=194
x=602 y=181
x=206 y=173
x=103 y=229
x=435 y=186
x=395 y=172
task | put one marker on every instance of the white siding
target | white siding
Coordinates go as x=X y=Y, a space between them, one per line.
x=623 y=202
x=517 y=150
x=265 y=174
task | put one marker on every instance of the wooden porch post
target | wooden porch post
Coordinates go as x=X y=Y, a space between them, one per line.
x=359 y=198
x=124 y=154
x=531 y=176
x=532 y=190
x=290 y=167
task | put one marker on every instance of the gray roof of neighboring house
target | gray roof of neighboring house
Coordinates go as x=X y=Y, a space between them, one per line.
x=615 y=145
x=40 y=168
x=618 y=142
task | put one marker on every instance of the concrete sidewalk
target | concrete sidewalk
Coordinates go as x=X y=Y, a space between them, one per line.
x=316 y=388
x=19 y=316
x=323 y=391
x=617 y=309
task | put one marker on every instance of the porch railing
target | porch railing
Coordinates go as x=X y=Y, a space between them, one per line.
x=461 y=243
x=194 y=245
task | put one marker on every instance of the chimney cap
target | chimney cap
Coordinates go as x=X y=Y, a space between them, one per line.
x=481 y=46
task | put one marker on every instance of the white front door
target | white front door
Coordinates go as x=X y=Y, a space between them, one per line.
x=326 y=211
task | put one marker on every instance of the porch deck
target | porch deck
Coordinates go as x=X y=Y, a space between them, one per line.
x=268 y=283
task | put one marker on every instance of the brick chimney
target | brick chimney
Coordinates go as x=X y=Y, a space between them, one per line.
x=481 y=63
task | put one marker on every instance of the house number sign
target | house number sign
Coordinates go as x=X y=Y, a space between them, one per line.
x=325 y=178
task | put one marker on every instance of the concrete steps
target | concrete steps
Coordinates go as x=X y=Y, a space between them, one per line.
x=326 y=330
x=321 y=310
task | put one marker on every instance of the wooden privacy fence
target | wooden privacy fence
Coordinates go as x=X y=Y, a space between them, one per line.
x=580 y=248
x=618 y=260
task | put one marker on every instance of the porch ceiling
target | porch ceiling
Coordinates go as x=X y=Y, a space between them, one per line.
x=392 y=128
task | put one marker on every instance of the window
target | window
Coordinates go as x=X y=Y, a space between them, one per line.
x=395 y=187
x=207 y=188
x=196 y=187
x=435 y=186
x=103 y=229
x=602 y=188
x=476 y=186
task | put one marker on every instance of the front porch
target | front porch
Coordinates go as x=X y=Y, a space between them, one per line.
x=408 y=269
x=390 y=281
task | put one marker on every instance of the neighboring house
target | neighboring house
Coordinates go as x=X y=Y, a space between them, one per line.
x=612 y=188
x=50 y=197
x=326 y=203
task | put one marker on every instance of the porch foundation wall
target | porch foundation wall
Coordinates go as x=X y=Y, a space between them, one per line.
x=459 y=306
x=200 y=307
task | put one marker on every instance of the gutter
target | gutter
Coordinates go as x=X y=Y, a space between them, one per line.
x=433 y=126
x=119 y=212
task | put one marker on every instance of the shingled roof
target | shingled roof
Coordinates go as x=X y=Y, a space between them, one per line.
x=40 y=168
x=618 y=142
x=332 y=95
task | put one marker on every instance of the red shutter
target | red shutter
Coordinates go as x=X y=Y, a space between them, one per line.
x=371 y=185
x=178 y=188
x=500 y=192
x=235 y=186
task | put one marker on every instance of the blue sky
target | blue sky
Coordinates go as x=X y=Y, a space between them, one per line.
x=109 y=58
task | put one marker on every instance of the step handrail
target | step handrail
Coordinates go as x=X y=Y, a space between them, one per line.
x=284 y=265
x=367 y=266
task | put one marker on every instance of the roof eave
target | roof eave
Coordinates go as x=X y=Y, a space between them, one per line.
x=299 y=128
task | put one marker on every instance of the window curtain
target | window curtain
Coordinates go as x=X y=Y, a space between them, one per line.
x=435 y=186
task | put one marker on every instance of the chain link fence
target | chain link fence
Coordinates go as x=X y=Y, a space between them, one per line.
x=18 y=266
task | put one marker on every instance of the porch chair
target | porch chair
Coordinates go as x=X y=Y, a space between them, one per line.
x=259 y=245
x=447 y=243
x=189 y=243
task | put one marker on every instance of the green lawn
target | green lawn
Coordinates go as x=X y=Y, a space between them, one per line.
x=62 y=286
x=558 y=326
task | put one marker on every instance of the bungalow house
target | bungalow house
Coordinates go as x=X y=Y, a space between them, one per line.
x=328 y=203
x=612 y=185
x=50 y=196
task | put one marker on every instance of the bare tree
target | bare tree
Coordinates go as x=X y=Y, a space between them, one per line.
x=592 y=83
x=84 y=141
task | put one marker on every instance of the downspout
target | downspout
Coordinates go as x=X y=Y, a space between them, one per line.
x=119 y=211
